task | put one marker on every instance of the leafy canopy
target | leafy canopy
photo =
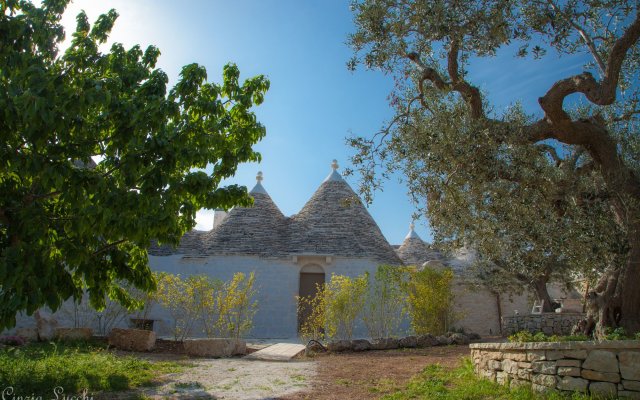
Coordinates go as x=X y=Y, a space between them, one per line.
x=68 y=224
x=538 y=198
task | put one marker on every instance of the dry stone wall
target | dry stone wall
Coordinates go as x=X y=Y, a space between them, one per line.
x=609 y=368
x=548 y=323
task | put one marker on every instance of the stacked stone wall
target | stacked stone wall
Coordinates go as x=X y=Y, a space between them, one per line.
x=547 y=323
x=610 y=368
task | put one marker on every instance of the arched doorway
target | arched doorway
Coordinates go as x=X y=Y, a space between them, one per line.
x=311 y=276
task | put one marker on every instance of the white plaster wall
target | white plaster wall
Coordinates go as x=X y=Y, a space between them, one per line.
x=277 y=284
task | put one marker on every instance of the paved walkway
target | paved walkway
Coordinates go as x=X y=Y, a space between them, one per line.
x=277 y=352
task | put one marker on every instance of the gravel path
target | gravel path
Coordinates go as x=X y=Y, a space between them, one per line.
x=235 y=379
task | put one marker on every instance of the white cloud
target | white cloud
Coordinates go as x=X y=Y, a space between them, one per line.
x=204 y=220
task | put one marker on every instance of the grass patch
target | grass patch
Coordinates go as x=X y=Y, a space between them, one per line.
x=188 y=385
x=298 y=378
x=384 y=385
x=38 y=368
x=436 y=382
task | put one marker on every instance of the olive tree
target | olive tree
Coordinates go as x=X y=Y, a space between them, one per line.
x=68 y=224
x=559 y=187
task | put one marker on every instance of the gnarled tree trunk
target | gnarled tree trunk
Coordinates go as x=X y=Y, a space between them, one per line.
x=615 y=301
x=630 y=307
x=542 y=294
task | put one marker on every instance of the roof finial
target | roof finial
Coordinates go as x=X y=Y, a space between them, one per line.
x=334 y=175
x=258 y=187
x=412 y=233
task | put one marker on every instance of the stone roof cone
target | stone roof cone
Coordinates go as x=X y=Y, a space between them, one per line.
x=335 y=222
x=258 y=230
x=414 y=251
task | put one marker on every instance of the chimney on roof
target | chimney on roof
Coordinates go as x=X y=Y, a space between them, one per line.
x=218 y=216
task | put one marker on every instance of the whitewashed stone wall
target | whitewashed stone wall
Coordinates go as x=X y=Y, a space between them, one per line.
x=609 y=368
x=277 y=284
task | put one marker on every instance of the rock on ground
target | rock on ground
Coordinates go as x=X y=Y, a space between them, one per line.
x=73 y=333
x=215 y=347
x=132 y=339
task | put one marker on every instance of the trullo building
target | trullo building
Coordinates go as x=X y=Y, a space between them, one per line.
x=332 y=234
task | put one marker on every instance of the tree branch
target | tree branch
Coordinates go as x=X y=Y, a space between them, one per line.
x=587 y=39
x=108 y=246
x=552 y=152
x=470 y=93
x=602 y=93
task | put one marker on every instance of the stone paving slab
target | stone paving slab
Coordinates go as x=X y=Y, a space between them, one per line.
x=277 y=352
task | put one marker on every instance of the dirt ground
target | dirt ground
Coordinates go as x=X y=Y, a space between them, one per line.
x=372 y=374
x=366 y=375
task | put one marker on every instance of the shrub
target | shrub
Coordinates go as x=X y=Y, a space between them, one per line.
x=344 y=301
x=386 y=301
x=430 y=300
x=236 y=307
x=222 y=308
x=313 y=326
x=173 y=294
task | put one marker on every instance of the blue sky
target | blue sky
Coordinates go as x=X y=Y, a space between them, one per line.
x=314 y=102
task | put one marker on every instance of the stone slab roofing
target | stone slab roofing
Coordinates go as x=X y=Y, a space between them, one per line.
x=260 y=230
x=414 y=251
x=334 y=222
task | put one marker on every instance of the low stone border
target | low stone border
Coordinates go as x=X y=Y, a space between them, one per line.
x=73 y=333
x=215 y=347
x=607 y=368
x=132 y=339
x=406 y=342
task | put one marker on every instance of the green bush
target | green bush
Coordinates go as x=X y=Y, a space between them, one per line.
x=223 y=309
x=386 y=301
x=236 y=306
x=430 y=300
x=344 y=303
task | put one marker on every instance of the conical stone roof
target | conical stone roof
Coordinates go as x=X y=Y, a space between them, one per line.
x=414 y=251
x=335 y=222
x=259 y=230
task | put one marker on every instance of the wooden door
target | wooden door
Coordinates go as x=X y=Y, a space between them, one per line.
x=309 y=282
